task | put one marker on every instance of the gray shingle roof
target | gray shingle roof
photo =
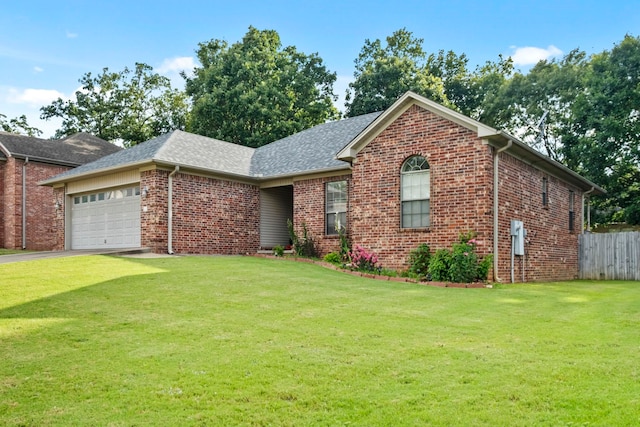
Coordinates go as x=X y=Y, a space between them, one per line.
x=307 y=151
x=176 y=148
x=74 y=150
x=310 y=150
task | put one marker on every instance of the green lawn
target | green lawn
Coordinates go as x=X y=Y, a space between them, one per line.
x=12 y=251
x=109 y=341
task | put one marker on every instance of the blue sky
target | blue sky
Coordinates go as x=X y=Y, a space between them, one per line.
x=46 y=46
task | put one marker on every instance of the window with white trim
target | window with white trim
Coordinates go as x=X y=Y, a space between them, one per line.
x=336 y=206
x=415 y=193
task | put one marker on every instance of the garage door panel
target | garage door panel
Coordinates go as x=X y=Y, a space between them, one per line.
x=106 y=222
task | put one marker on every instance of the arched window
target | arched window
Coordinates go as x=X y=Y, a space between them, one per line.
x=415 y=192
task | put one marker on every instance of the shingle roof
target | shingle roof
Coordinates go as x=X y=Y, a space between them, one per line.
x=310 y=150
x=176 y=148
x=74 y=150
x=307 y=151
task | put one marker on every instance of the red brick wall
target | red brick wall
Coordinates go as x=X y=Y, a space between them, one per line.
x=3 y=167
x=551 y=250
x=309 y=208
x=9 y=205
x=210 y=216
x=461 y=200
x=461 y=187
x=40 y=233
x=59 y=219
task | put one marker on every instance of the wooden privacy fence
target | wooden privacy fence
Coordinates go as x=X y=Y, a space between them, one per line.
x=610 y=256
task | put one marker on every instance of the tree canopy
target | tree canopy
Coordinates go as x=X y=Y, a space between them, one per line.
x=18 y=125
x=130 y=106
x=254 y=91
x=584 y=112
x=384 y=73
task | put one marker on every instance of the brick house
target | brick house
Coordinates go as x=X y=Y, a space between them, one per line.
x=26 y=208
x=415 y=173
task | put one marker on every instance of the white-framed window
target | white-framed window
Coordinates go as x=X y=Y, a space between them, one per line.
x=335 y=207
x=102 y=196
x=415 y=193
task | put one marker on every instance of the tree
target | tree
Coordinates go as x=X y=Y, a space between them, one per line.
x=18 y=125
x=383 y=74
x=583 y=111
x=130 y=106
x=255 y=92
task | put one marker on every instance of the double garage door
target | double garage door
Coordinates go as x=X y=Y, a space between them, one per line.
x=106 y=219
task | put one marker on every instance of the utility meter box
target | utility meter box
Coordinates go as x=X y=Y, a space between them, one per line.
x=518 y=234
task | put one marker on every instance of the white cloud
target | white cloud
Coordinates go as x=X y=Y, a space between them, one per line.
x=175 y=65
x=38 y=69
x=529 y=55
x=171 y=67
x=71 y=35
x=33 y=97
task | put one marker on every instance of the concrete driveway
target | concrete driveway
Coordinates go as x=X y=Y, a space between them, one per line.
x=31 y=256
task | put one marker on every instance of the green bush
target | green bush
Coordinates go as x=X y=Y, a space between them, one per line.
x=460 y=264
x=439 y=265
x=333 y=258
x=303 y=246
x=464 y=263
x=345 y=245
x=484 y=266
x=419 y=261
x=278 y=250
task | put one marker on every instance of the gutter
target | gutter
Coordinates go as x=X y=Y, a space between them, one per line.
x=24 y=203
x=170 y=212
x=495 y=208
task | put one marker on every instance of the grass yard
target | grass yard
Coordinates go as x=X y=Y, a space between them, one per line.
x=12 y=251
x=109 y=341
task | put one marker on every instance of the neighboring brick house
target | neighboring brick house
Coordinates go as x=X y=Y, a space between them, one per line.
x=416 y=173
x=27 y=209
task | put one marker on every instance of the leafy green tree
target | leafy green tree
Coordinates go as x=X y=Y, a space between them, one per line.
x=18 y=125
x=384 y=73
x=130 y=106
x=606 y=143
x=254 y=92
x=583 y=111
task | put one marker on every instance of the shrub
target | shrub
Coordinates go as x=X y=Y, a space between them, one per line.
x=484 y=266
x=464 y=263
x=278 y=250
x=333 y=258
x=302 y=246
x=419 y=261
x=439 y=265
x=345 y=244
x=363 y=260
x=460 y=264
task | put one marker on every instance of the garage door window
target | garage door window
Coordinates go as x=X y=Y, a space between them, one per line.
x=99 y=197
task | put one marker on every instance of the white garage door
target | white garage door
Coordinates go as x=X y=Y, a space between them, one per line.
x=106 y=219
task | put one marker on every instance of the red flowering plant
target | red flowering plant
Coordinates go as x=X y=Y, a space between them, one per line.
x=362 y=260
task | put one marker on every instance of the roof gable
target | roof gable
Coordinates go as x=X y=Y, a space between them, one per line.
x=351 y=150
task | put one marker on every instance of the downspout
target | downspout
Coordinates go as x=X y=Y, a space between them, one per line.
x=495 y=209
x=24 y=203
x=170 y=209
x=586 y=193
